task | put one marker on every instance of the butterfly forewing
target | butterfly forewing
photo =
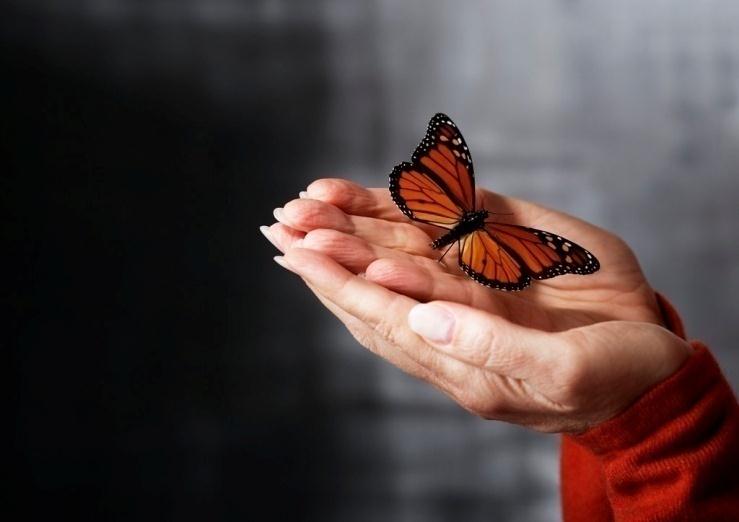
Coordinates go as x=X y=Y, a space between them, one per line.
x=438 y=187
x=420 y=197
x=445 y=155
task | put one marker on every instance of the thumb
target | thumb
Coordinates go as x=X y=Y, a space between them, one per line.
x=482 y=339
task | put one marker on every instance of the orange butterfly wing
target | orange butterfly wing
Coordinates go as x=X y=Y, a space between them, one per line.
x=543 y=254
x=489 y=263
x=507 y=257
x=438 y=186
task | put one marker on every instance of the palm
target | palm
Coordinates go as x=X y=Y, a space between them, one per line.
x=492 y=367
x=402 y=259
x=618 y=291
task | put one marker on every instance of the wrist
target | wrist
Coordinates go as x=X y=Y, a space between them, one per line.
x=624 y=361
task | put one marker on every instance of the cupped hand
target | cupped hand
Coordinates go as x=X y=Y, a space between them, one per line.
x=363 y=230
x=551 y=381
x=563 y=355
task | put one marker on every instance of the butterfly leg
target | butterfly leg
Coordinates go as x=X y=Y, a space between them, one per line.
x=446 y=251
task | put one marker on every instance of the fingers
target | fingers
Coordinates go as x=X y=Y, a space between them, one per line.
x=281 y=236
x=362 y=299
x=357 y=255
x=354 y=199
x=484 y=340
x=423 y=282
x=307 y=214
x=364 y=334
x=360 y=201
x=384 y=312
x=417 y=277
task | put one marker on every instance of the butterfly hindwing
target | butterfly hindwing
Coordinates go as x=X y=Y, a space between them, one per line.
x=489 y=263
x=543 y=254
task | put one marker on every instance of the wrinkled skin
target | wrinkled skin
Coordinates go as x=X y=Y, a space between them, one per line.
x=563 y=355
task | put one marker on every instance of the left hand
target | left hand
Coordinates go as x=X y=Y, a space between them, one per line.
x=364 y=231
x=551 y=381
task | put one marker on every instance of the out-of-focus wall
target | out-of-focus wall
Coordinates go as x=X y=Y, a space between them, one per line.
x=162 y=364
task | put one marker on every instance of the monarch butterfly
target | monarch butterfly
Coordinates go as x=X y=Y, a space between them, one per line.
x=438 y=188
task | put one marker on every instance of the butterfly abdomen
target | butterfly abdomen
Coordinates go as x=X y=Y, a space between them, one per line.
x=471 y=220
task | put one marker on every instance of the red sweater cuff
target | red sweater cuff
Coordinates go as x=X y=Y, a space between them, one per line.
x=672 y=455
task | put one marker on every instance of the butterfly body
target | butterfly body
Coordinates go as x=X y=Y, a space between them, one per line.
x=438 y=188
x=471 y=221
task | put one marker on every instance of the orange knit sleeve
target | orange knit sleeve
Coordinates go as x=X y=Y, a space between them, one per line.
x=673 y=455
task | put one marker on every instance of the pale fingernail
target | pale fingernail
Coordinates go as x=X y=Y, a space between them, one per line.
x=303 y=194
x=268 y=234
x=432 y=322
x=280 y=260
x=297 y=243
x=278 y=214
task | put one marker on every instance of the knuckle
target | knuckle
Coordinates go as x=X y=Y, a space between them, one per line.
x=390 y=326
x=386 y=330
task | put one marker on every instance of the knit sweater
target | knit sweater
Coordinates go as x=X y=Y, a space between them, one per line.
x=672 y=455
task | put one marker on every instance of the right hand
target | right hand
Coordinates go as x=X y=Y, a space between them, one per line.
x=363 y=230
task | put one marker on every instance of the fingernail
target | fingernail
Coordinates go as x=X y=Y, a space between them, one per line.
x=303 y=194
x=280 y=260
x=432 y=322
x=268 y=234
x=298 y=243
x=278 y=214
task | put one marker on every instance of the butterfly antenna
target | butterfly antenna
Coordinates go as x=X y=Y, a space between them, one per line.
x=446 y=252
x=498 y=214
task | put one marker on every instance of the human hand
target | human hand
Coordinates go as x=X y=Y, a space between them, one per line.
x=550 y=381
x=561 y=356
x=364 y=231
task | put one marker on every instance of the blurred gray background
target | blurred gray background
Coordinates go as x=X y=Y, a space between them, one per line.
x=165 y=369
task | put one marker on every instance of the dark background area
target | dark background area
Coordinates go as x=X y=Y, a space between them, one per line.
x=162 y=367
